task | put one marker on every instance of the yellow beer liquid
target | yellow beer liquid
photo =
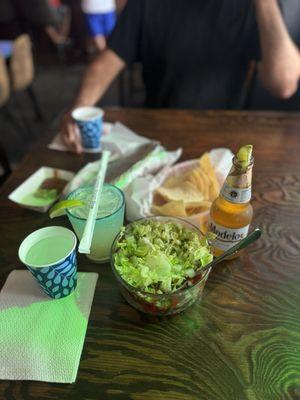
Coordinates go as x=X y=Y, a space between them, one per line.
x=230 y=215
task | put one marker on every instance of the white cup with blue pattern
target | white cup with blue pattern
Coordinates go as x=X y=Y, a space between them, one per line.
x=50 y=255
x=90 y=123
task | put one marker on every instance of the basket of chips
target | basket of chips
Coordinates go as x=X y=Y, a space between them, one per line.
x=189 y=189
x=183 y=190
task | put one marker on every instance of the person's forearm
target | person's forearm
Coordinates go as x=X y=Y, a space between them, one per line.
x=280 y=64
x=97 y=78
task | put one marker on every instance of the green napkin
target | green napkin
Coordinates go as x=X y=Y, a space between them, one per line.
x=41 y=338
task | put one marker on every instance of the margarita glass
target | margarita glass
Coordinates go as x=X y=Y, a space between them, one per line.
x=109 y=221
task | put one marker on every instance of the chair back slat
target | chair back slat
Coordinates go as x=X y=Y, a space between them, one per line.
x=4 y=82
x=21 y=63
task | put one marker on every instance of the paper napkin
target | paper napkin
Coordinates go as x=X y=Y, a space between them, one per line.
x=42 y=339
x=123 y=141
x=58 y=144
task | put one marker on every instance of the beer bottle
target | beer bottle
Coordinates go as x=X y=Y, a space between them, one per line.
x=231 y=213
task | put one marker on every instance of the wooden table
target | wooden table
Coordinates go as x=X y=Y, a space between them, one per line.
x=243 y=340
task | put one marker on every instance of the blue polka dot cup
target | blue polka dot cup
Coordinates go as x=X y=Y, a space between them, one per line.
x=50 y=255
x=89 y=121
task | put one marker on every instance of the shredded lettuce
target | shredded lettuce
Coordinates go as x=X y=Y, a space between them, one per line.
x=157 y=257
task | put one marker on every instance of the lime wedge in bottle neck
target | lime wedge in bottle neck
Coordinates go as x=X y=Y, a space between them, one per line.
x=244 y=156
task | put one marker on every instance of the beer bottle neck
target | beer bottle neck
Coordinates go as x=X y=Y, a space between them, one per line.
x=237 y=187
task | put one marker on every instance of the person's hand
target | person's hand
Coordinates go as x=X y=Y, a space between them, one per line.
x=69 y=134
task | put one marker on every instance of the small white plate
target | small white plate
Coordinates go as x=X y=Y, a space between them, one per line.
x=31 y=184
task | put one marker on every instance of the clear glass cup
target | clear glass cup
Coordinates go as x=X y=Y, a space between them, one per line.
x=109 y=220
x=161 y=304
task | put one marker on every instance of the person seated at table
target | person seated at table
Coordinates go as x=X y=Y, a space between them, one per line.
x=196 y=54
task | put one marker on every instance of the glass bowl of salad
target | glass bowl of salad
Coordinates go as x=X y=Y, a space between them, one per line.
x=154 y=260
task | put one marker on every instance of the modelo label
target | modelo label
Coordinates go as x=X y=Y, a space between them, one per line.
x=227 y=237
x=236 y=195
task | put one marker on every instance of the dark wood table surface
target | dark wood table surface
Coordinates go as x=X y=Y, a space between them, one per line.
x=242 y=341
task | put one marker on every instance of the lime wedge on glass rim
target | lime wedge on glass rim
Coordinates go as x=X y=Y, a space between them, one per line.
x=60 y=208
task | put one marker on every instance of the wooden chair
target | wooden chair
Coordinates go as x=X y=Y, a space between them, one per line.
x=4 y=82
x=4 y=97
x=16 y=121
x=21 y=69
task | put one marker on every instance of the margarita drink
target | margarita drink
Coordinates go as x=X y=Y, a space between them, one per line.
x=110 y=217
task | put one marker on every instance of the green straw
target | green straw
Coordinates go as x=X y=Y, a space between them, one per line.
x=86 y=240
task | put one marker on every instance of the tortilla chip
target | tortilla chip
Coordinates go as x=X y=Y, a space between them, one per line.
x=194 y=178
x=208 y=168
x=206 y=164
x=186 y=192
x=214 y=189
x=174 y=181
x=197 y=210
x=170 y=209
x=191 y=177
x=199 y=178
